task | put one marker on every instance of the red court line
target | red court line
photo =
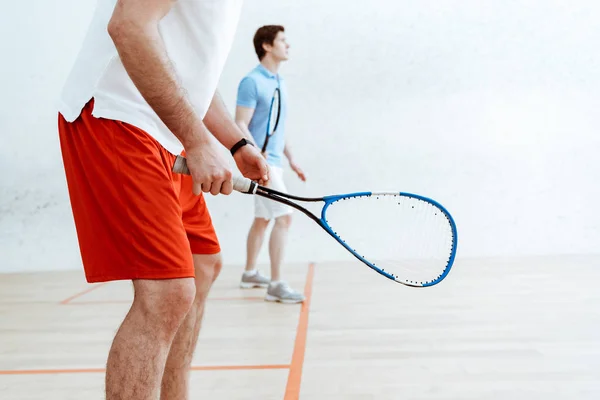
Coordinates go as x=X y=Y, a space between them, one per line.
x=79 y=303
x=292 y=390
x=102 y=370
x=67 y=301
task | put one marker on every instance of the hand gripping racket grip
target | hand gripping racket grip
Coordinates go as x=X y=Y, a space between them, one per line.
x=240 y=184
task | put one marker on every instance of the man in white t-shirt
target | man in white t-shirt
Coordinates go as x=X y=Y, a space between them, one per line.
x=141 y=92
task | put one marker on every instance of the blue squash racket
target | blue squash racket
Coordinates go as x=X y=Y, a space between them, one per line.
x=405 y=237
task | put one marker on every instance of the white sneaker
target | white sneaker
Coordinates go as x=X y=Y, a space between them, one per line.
x=253 y=279
x=282 y=293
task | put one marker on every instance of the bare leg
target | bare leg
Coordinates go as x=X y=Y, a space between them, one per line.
x=277 y=244
x=139 y=351
x=255 y=240
x=175 y=383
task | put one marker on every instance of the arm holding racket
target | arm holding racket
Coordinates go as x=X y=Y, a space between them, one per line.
x=248 y=159
x=247 y=100
x=240 y=183
x=243 y=115
x=133 y=28
x=221 y=125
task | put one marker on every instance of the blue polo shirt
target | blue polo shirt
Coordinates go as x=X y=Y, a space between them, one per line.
x=256 y=91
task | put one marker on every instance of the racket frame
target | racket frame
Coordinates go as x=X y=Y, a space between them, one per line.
x=277 y=93
x=322 y=221
x=247 y=186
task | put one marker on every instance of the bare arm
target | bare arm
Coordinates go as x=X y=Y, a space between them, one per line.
x=221 y=125
x=243 y=115
x=134 y=30
x=288 y=153
x=295 y=167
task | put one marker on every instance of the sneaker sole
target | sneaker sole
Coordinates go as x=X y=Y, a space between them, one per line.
x=247 y=285
x=270 y=297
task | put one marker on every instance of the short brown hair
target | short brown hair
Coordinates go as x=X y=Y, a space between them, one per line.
x=265 y=35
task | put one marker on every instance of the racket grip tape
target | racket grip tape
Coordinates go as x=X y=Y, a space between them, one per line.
x=240 y=184
x=180 y=166
x=244 y=185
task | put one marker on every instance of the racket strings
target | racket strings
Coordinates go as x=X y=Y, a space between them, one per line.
x=403 y=236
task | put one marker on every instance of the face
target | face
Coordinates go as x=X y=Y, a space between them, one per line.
x=279 y=50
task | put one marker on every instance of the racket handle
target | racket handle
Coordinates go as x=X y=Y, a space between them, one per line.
x=244 y=185
x=180 y=166
x=240 y=183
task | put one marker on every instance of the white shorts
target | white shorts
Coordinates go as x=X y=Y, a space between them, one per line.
x=270 y=209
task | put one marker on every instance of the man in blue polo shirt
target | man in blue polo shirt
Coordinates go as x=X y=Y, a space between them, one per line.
x=252 y=113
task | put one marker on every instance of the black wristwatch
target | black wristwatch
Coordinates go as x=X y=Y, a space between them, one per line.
x=239 y=145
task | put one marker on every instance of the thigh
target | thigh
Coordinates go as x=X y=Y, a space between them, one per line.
x=126 y=210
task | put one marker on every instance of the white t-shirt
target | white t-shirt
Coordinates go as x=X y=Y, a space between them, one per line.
x=198 y=35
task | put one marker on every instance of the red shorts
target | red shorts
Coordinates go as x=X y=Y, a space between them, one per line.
x=134 y=218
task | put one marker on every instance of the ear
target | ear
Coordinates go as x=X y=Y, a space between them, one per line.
x=267 y=47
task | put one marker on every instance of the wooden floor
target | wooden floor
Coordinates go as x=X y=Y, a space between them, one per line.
x=507 y=329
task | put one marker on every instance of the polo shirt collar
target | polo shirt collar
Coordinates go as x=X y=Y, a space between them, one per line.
x=266 y=72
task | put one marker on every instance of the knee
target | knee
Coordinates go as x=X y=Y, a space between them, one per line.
x=261 y=224
x=284 y=221
x=209 y=270
x=217 y=268
x=165 y=302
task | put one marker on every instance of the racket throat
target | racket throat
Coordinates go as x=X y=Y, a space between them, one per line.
x=272 y=195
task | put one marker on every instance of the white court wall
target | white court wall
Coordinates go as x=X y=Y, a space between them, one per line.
x=489 y=107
